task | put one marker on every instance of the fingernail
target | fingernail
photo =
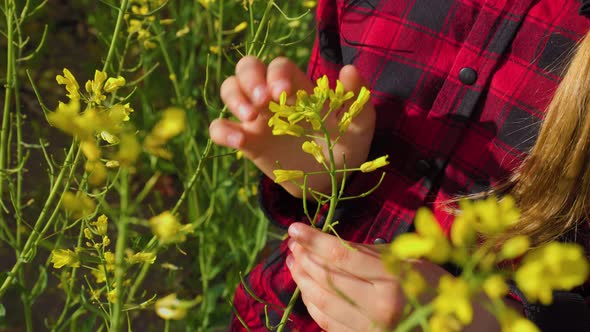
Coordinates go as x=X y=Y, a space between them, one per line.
x=244 y=112
x=289 y=261
x=294 y=231
x=259 y=95
x=291 y=244
x=234 y=140
x=278 y=88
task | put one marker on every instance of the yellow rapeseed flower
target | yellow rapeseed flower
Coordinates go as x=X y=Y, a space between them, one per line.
x=167 y=228
x=94 y=87
x=142 y=257
x=170 y=307
x=70 y=82
x=444 y=323
x=282 y=175
x=112 y=295
x=315 y=150
x=361 y=100
x=454 y=299
x=64 y=257
x=372 y=165
x=78 y=205
x=101 y=225
x=515 y=247
x=495 y=286
x=338 y=96
x=113 y=84
x=556 y=266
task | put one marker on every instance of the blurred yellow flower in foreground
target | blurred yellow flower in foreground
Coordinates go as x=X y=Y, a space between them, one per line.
x=556 y=266
x=142 y=257
x=64 y=257
x=454 y=299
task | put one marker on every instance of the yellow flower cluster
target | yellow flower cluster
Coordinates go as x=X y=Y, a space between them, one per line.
x=311 y=108
x=100 y=117
x=286 y=120
x=140 y=19
x=555 y=266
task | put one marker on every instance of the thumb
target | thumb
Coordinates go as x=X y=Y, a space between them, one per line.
x=351 y=79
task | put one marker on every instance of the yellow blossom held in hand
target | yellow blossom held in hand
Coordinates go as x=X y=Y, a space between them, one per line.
x=454 y=299
x=338 y=96
x=315 y=150
x=444 y=323
x=556 y=266
x=515 y=247
x=70 y=82
x=282 y=175
x=372 y=165
x=495 y=286
x=413 y=283
x=361 y=100
x=64 y=257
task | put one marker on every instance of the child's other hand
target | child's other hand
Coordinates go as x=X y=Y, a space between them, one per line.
x=247 y=95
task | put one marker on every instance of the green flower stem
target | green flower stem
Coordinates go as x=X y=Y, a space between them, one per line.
x=327 y=223
x=35 y=233
x=415 y=318
x=122 y=10
x=117 y=310
x=9 y=8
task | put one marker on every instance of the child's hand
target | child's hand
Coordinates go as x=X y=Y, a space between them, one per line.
x=247 y=95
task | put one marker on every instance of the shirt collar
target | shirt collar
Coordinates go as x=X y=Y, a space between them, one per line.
x=585 y=8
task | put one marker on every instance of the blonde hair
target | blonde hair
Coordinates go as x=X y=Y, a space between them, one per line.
x=552 y=186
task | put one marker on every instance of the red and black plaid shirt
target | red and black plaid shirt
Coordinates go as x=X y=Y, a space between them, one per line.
x=460 y=88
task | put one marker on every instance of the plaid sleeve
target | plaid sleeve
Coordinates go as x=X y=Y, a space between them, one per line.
x=326 y=59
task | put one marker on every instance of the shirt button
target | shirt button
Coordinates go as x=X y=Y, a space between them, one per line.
x=379 y=241
x=423 y=167
x=467 y=76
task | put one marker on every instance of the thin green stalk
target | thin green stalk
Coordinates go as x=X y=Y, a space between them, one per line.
x=35 y=233
x=415 y=318
x=120 y=16
x=327 y=223
x=9 y=8
x=117 y=311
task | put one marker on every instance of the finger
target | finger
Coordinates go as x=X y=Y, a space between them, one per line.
x=236 y=101
x=226 y=133
x=251 y=75
x=284 y=75
x=362 y=261
x=331 y=309
x=325 y=322
x=351 y=79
